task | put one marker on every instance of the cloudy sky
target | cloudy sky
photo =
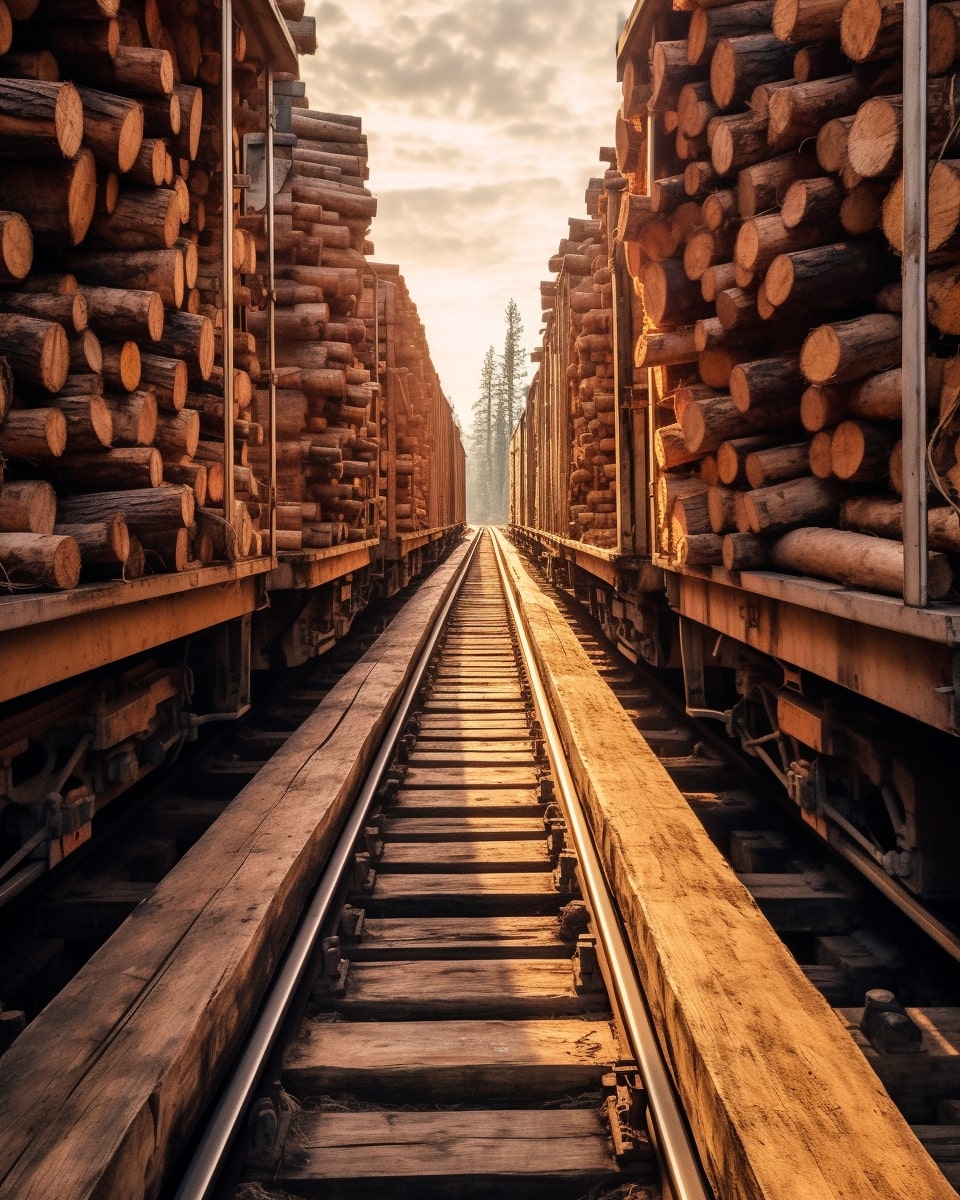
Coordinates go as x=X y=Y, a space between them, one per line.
x=484 y=123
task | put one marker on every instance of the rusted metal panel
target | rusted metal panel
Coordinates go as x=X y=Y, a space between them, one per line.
x=36 y=655
x=912 y=675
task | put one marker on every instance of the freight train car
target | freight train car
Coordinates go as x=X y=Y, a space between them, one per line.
x=221 y=434
x=740 y=445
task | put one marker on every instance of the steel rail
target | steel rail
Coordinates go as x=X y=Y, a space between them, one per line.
x=217 y=1139
x=673 y=1139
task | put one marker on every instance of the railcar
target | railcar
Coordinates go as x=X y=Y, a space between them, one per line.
x=221 y=433
x=739 y=447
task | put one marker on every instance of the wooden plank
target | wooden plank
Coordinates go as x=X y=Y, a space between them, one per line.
x=465 y=855
x=438 y=829
x=916 y=1080
x=167 y=998
x=513 y=987
x=458 y=756
x=509 y=1152
x=472 y=777
x=806 y=902
x=781 y=1102
x=481 y=744
x=449 y=1058
x=448 y=802
x=448 y=937
x=429 y=895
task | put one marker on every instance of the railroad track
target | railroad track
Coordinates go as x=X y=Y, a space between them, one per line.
x=459 y=1037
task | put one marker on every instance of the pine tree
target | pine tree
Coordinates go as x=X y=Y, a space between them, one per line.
x=480 y=497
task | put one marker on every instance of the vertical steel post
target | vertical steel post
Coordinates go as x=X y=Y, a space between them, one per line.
x=652 y=546
x=226 y=152
x=914 y=303
x=271 y=304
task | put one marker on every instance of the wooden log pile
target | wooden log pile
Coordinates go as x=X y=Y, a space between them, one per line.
x=414 y=414
x=584 y=290
x=112 y=198
x=765 y=256
x=327 y=424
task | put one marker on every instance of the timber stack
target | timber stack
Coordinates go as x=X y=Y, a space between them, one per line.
x=327 y=429
x=110 y=312
x=764 y=253
x=581 y=302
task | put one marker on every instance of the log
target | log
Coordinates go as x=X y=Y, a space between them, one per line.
x=832 y=142
x=178 y=433
x=860 y=450
x=856 y=559
x=670 y=449
x=743 y=551
x=119 y=468
x=798 y=112
x=761 y=186
x=760 y=239
x=159 y=271
x=36 y=350
x=27 y=506
x=817 y=60
x=836 y=274
x=38 y=560
x=806 y=20
x=884 y=518
x=101 y=543
x=776 y=380
x=732 y=456
x=668 y=297
x=871 y=29
x=190 y=337
x=665 y=349
x=112 y=128
x=943 y=32
x=862 y=208
x=695 y=108
x=811 y=202
x=699 y=550
x=124 y=313
x=793 y=502
x=148 y=509
x=708 y=423
x=68 y=309
x=167 y=378
x=773 y=464
x=40 y=119
x=16 y=247
x=89 y=422
x=58 y=198
x=874 y=143
x=170 y=546
x=709 y=25
x=715 y=280
x=737 y=141
x=134 y=418
x=739 y=64
x=670 y=70
x=849 y=350
x=144 y=218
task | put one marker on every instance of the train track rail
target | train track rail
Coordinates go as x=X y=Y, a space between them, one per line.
x=475 y=1027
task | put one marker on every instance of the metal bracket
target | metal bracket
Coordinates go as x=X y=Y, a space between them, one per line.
x=372 y=842
x=887 y=1026
x=574 y=920
x=351 y=923
x=565 y=874
x=587 y=979
x=267 y=1127
x=625 y=1103
x=545 y=787
x=363 y=876
x=332 y=980
x=556 y=829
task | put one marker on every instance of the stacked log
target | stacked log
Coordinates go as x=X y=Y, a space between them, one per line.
x=327 y=429
x=766 y=258
x=414 y=406
x=109 y=284
x=581 y=302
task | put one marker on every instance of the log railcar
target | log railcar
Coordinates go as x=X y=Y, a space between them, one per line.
x=167 y=525
x=742 y=410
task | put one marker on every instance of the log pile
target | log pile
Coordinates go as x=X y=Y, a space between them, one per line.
x=110 y=308
x=766 y=258
x=581 y=301
x=327 y=430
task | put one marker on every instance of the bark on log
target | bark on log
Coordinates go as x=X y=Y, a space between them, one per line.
x=101 y=543
x=793 y=502
x=27 y=506
x=739 y=64
x=69 y=310
x=743 y=551
x=737 y=141
x=134 y=418
x=884 y=517
x=124 y=313
x=776 y=380
x=855 y=559
x=732 y=456
x=848 y=350
x=833 y=275
x=860 y=450
x=760 y=239
x=167 y=378
x=89 y=422
x=699 y=550
x=774 y=464
x=190 y=337
x=120 y=468
x=811 y=202
x=143 y=219
x=36 y=350
x=38 y=561
x=40 y=119
x=58 y=198
x=112 y=128
x=709 y=25
x=806 y=20
x=160 y=508
x=798 y=112
x=871 y=29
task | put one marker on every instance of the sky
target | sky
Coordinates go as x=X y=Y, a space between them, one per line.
x=484 y=122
